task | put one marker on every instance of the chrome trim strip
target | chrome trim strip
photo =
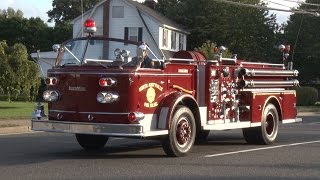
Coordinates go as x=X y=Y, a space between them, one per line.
x=90 y=73
x=182 y=74
x=121 y=130
x=104 y=113
x=279 y=90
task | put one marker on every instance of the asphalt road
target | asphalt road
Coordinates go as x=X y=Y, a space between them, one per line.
x=296 y=155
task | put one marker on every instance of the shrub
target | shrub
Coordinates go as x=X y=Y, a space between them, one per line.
x=306 y=96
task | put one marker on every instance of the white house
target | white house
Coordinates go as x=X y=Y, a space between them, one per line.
x=134 y=21
x=46 y=60
x=129 y=20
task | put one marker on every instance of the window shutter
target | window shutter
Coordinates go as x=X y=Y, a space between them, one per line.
x=126 y=34
x=140 y=34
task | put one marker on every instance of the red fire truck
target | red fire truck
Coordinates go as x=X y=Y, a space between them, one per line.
x=98 y=89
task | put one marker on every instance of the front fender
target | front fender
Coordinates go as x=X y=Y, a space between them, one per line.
x=168 y=106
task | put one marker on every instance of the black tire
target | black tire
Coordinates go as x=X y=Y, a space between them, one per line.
x=91 y=142
x=181 y=134
x=267 y=133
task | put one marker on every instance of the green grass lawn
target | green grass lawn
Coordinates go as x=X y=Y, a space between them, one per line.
x=17 y=110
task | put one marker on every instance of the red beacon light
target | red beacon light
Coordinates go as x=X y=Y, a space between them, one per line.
x=90 y=26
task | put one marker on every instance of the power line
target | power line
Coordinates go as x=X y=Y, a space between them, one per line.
x=266 y=8
x=301 y=2
x=309 y=10
x=278 y=4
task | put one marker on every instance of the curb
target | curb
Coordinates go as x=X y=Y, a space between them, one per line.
x=16 y=129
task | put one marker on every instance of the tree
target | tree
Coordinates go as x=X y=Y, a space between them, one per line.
x=10 y=12
x=67 y=10
x=18 y=75
x=6 y=74
x=249 y=32
x=302 y=33
x=34 y=33
x=208 y=50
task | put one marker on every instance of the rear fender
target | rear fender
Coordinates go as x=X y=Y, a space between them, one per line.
x=169 y=104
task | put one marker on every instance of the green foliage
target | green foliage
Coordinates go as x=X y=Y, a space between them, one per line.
x=10 y=12
x=246 y=31
x=306 y=96
x=303 y=30
x=66 y=10
x=18 y=75
x=207 y=49
x=33 y=33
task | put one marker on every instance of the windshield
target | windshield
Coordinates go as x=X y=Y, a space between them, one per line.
x=98 y=51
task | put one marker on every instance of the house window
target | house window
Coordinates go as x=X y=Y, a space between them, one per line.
x=117 y=11
x=181 y=41
x=173 y=40
x=133 y=33
x=165 y=38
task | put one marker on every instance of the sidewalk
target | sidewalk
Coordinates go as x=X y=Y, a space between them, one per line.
x=24 y=125
x=15 y=126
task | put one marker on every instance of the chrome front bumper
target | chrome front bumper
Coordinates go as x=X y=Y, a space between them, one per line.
x=121 y=130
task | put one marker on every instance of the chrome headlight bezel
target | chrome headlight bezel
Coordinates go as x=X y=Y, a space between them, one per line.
x=107 y=97
x=50 y=95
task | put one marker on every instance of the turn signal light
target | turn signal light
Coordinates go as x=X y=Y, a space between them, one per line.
x=135 y=117
x=132 y=117
x=107 y=82
x=51 y=81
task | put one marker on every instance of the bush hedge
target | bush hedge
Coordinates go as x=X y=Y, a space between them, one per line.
x=306 y=96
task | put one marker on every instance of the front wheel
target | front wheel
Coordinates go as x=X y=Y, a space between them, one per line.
x=91 y=142
x=267 y=133
x=182 y=133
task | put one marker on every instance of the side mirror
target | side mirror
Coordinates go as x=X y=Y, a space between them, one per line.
x=56 y=47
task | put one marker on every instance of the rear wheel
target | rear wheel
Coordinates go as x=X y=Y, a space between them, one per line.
x=91 y=142
x=267 y=133
x=181 y=134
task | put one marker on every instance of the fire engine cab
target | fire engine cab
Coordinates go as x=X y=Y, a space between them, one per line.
x=98 y=89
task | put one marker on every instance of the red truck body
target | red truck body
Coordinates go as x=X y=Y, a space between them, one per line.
x=178 y=101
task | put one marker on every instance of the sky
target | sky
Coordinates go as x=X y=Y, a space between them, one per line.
x=39 y=8
x=281 y=16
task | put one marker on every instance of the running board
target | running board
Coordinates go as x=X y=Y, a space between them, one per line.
x=239 y=125
x=231 y=125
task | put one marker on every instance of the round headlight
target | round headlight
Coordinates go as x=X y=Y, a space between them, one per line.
x=107 y=97
x=117 y=52
x=46 y=95
x=50 y=95
x=125 y=53
x=100 y=97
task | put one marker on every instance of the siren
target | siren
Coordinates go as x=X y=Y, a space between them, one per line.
x=90 y=26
